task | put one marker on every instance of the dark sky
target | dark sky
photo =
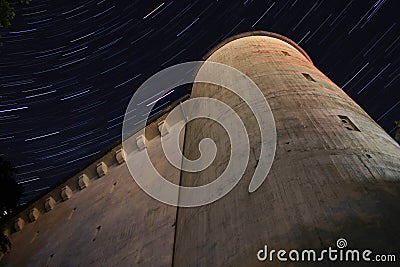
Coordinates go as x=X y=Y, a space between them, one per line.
x=69 y=68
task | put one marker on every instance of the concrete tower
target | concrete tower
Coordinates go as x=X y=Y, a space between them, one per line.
x=335 y=175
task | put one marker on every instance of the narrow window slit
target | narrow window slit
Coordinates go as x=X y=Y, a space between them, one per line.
x=348 y=124
x=308 y=77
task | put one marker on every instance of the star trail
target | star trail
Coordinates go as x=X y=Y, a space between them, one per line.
x=69 y=68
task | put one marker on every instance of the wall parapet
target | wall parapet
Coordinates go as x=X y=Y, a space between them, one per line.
x=76 y=183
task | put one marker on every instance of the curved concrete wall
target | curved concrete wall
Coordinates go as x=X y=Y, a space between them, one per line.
x=335 y=175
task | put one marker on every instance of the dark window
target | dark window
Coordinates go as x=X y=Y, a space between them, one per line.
x=348 y=124
x=308 y=77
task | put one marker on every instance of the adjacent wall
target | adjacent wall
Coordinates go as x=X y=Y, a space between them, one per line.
x=112 y=222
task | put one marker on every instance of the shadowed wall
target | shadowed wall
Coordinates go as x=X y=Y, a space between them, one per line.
x=112 y=222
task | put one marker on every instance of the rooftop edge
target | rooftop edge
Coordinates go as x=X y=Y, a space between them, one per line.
x=259 y=33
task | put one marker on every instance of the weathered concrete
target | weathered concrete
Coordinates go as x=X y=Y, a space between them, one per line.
x=83 y=181
x=336 y=172
x=120 y=156
x=336 y=175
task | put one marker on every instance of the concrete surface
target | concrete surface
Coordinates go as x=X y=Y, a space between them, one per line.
x=336 y=172
x=336 y=175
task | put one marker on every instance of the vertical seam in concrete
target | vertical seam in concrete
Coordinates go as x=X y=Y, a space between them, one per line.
x=180 y=183
x=366 y=166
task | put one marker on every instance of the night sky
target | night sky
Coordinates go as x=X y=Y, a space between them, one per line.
x=69 y=68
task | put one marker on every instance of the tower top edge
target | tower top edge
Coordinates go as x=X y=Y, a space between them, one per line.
x=259 y=33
